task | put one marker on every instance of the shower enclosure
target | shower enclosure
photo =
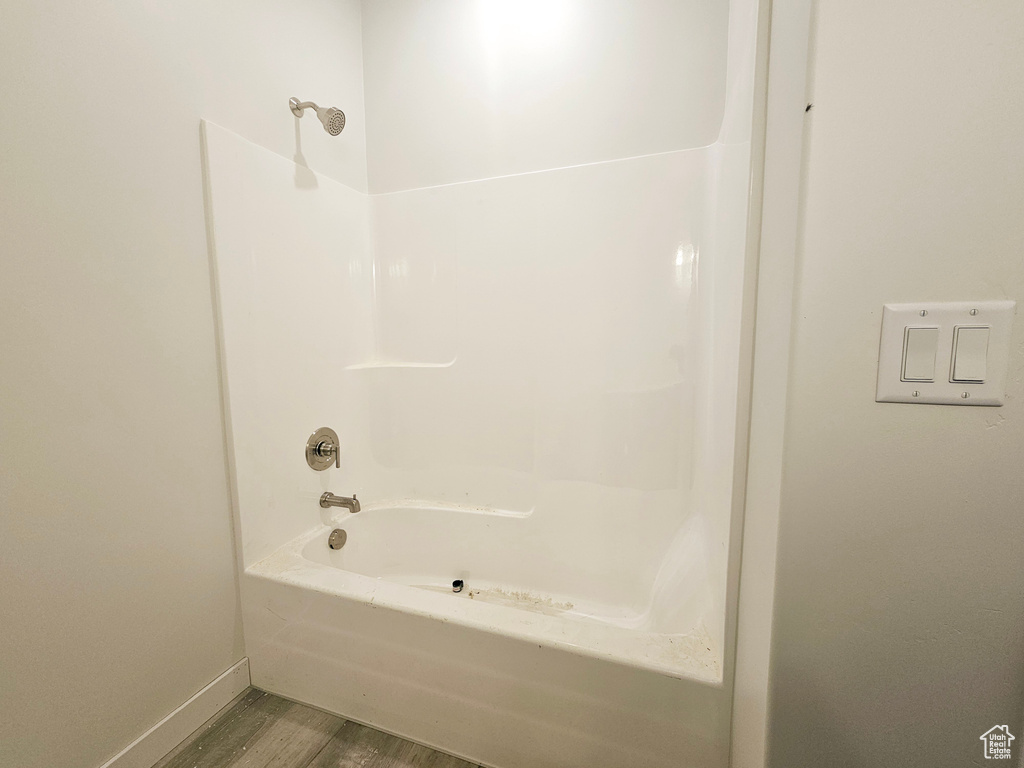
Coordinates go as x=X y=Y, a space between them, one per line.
x=526 y=332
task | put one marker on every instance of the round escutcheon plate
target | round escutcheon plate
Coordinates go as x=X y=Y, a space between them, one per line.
x=317 y=460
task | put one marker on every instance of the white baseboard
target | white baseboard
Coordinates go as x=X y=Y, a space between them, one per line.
x=146 y=750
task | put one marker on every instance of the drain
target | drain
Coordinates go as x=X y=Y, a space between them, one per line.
x=457 y=585
x=337 y=539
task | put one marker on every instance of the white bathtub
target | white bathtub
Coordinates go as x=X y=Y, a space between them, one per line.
x=406 y=557
x=518 y=670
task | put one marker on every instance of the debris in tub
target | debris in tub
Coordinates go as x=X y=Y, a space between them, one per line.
x=521 y=599
x=529 y=600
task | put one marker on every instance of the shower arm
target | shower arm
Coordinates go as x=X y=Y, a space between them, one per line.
x=298 y=106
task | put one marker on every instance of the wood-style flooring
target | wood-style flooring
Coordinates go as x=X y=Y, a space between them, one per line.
x=265 y=731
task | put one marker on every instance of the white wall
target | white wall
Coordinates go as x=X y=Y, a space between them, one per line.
x=119 y=598
x=899 y=626
x=458 y=90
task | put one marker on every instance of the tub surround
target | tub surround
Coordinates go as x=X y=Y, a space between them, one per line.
x=531 y=370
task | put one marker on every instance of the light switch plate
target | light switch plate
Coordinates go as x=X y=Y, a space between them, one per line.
x=947 y=317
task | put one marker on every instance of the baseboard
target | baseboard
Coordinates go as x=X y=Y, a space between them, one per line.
x=146 y=750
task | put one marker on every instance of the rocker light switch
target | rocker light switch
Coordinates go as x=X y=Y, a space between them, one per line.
x=970 y=353
x=919 y=349
x=944 y=353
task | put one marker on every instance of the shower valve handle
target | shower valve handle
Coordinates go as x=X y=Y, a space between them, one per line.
x=323 y=449
x=326 y=448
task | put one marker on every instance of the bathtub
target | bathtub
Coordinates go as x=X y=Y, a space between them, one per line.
x=406 y=557
x=504 y=673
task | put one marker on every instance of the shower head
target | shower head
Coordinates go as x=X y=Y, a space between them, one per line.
x=332 y=118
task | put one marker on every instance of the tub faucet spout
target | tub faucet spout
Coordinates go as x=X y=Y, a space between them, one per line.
x=328 y=499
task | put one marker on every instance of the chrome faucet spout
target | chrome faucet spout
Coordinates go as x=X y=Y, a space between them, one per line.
x=328 y=499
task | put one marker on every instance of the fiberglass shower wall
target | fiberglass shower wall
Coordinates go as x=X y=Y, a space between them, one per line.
x=536 y=310
x=558 y=209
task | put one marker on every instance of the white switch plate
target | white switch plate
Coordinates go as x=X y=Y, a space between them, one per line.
x=947 y=317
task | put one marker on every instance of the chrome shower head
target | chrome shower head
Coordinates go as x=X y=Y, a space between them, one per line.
x=332 y=117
